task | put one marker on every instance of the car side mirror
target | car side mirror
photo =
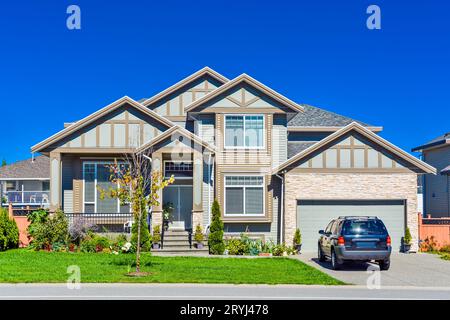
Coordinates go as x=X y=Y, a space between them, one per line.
x=321 y=232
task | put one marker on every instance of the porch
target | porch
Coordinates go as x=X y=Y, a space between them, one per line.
x=26 y=198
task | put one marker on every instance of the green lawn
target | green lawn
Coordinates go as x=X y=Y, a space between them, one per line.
x=23 y=265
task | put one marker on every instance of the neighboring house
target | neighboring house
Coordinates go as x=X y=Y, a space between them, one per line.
x=436 y=187
x=26 y=183
x=273 y=164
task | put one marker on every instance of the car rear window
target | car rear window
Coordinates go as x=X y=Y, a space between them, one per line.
x=363 y=227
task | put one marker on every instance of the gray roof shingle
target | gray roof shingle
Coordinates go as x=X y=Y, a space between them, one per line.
x=442 y=139
x=446 y=170
x=27 y=169
x=295 y=147
x=316 y=117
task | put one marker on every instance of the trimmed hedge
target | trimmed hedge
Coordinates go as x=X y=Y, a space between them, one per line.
x=215 y=239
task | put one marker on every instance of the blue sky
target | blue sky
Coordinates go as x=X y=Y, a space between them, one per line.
x=314 y=52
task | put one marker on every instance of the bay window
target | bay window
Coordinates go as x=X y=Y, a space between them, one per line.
x=244 y=195
x=244 y=131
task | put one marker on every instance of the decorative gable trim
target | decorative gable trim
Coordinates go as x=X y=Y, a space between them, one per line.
x=200 y=73
x=244 y=78
x=95 y=116
x=354 y=126
x=176 y=129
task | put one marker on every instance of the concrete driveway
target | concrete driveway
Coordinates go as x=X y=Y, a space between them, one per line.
x=416 y=270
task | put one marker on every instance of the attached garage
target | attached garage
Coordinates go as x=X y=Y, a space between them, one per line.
x=314 y=215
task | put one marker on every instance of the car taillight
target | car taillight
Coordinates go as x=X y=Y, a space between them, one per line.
x=341 y=241
x=388 y=240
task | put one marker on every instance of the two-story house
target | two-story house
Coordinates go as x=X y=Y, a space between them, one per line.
x=436 y=188
x=274 y=165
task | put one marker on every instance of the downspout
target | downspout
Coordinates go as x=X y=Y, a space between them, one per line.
x=282 y=207
x=209 y=190
x=151 y=208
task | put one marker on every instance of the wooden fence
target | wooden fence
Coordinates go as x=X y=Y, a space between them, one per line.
x=438 y=228
x=21 y=218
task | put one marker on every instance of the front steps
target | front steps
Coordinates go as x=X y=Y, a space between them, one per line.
x=176 y=242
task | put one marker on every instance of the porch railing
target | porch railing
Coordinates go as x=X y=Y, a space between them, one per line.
x=31 y=198
x=103 y=222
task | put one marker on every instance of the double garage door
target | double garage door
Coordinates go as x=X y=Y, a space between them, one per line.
x=314 y=215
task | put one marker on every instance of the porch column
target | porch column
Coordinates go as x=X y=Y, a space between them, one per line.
x=157 y=218
x=55 y=181
x=197 y=186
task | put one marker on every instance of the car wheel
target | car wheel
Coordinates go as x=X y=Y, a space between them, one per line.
x=320 y=254
x=384 y=264
x=335 y=264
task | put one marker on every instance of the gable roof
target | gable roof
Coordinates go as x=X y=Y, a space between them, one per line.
x=95 y=116
x=244 y=78
x=28 y=169
x=196 y=75
x=354 y=126
x=176 y=129
x=441 y=140
x=317 y=118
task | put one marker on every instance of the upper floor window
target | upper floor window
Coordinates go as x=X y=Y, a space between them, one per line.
x=244 y=131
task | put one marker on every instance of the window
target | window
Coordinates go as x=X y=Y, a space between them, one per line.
x=96 y=174
x=244 y=131
x=244 y=195
x=179 y=170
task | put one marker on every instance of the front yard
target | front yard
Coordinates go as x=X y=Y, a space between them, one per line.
x=22 y=265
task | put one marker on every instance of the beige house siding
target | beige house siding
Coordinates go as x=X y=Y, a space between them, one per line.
x=173 y=105
x=437 y=194
x=279 y=140
x=123 y=128
x=341 y=186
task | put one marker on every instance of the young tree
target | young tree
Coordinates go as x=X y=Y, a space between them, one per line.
x=135 y=183
x=215 y=239
x=4 y=163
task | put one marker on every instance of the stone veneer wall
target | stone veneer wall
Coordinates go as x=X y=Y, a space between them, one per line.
x=353 y=186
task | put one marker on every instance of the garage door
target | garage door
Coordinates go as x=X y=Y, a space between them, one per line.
x=314 y=215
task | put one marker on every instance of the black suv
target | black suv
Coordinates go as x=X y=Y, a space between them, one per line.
x=355 y=239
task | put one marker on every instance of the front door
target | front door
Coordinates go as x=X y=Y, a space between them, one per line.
x=181 y=199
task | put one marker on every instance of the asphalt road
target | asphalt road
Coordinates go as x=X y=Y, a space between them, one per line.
x=213 y=292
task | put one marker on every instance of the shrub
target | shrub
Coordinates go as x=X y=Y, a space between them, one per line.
x=429 y=245
x=407 y=239
x=145 y=234
x=87 y=245
x=156 y=234
x=95 y=243
x=198 y=235
x=9 y=233
x=282 y=249
x=297 y=237
x=79 y=229
x=445 y=248
x=46 y=230
x=236 y=246
x=215 y=239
